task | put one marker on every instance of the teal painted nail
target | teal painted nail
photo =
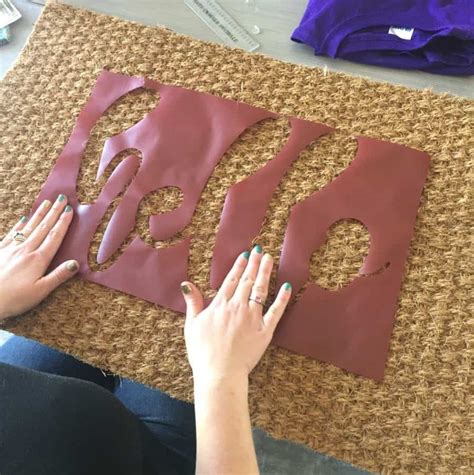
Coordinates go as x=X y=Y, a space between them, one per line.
x=68 y=208
x=185 y=289
x=258 y=249
x=246 y=255
x=72 y=266
x=23 y=219
x=287 y=286
x=61 y=197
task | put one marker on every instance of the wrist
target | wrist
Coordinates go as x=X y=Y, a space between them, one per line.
x=234 y=382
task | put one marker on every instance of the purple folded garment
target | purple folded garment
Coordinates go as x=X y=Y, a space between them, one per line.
x=431 y=35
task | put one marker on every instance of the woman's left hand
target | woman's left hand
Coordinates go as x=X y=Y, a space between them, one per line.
x=26 y=253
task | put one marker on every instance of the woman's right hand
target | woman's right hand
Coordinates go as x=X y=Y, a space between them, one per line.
x=227 y=339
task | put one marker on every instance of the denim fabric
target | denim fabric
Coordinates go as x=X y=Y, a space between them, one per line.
x=60 y=415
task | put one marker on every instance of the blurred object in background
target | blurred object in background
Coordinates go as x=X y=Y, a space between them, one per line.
x=5 y=35
x=436 y=36
x=8 y=15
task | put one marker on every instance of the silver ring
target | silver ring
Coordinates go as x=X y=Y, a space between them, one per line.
x=19 y=236
x=258 y=299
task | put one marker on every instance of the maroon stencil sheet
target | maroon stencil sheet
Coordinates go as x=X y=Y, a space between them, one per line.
x=181 y=140
x=247 y=201
x=351 y=328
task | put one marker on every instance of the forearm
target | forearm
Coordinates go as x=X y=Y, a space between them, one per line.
x=223 y=430
x=224 y=342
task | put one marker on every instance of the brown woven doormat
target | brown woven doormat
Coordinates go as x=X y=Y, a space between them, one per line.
x=419 y=419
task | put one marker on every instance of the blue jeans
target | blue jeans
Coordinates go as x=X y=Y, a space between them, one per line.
x=171 y=421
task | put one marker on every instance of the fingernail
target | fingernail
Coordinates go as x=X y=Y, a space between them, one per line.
x=185 y=289
x=46 y=203
x=72 y=266
x=61 y=197
x=68 y=208
x=246 y=255
x=287 y=286
x=23 y=219
x=258 y=249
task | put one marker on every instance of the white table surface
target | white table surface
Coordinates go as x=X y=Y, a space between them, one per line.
x=275 y=18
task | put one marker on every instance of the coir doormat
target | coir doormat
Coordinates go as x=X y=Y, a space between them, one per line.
x=418 y=419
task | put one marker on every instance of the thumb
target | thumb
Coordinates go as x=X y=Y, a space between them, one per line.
x=58 y=276
x=193 y=298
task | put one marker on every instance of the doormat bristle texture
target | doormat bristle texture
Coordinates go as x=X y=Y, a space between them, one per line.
x=419 y=420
